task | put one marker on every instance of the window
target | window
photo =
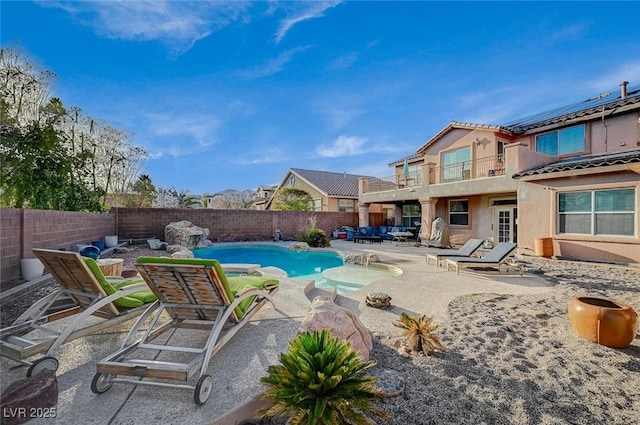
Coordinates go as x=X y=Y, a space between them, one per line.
x=346 y=205
x=459 y=212
x=410 y=214
x=562 y=142
x=456 y=165
x=292 y=180
x=597 y=212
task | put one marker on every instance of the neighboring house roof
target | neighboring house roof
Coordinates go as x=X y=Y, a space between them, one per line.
x=331 y=184
x=266 y=187
x=584 y=162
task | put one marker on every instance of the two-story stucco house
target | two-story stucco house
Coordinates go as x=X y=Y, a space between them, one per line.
x=571 y=174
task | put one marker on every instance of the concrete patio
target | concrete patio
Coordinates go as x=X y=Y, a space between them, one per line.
x=237 y=368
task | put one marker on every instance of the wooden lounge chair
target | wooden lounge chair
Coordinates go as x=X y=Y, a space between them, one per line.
x=466 y=250
x=197 y=295
x=84 y=292
x=497 y=257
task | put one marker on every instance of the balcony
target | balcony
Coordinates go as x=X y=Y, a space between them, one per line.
x=492 y=166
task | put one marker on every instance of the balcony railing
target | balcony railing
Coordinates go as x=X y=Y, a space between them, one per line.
x=490 y=166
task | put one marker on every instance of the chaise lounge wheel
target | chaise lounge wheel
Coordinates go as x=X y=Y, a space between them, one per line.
x=40 y=365
x=203 y=389
x=100 y=383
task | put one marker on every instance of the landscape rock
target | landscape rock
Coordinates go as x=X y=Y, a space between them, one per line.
x=26 y=397
x=342 y=323
x=185 y=233
x=361 y=258
x=182 y=254
x=299 y=246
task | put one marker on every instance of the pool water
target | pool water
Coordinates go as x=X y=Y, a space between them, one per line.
x=326 y=268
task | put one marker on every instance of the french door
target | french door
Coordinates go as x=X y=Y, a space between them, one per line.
x=505 y=225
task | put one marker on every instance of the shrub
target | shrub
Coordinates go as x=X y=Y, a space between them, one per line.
x=320 y=381
x=317 y=238
x=313 y=236
x=419 y=333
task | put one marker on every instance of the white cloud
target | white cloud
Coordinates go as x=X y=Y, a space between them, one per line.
x=569 y=32
x=509 y=102
x=342 y=146
x=610 y=79
x=339 y=118
x=263 y=156
x=180 y=135
x=272 y=66
x=343 y=61
x=310 y=10
x=178 y=24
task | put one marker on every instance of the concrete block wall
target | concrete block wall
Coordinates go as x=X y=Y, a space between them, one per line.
x=10 y=243
x=21 y=230
x=25 y=229
x=226 y=225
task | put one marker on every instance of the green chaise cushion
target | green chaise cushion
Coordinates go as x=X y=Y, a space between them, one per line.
x=239 y=284
x=128 y=301
x=232 y=285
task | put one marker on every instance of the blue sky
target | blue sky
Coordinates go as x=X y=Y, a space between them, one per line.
x=233 y=94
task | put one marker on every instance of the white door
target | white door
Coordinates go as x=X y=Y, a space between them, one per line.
x=505 y=224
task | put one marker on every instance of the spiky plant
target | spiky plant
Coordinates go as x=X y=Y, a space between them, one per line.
x=320 y=382
x=419 y=333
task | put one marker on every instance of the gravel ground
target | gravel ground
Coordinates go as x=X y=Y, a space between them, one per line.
x=508 y=359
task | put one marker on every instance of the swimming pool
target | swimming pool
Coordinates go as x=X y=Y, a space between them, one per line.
x=327 y=268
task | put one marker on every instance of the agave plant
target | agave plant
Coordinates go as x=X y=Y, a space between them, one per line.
x=419 y=333
x=320 y=382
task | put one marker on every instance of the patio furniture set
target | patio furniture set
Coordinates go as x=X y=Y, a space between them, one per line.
x=195 y=294
x=167 y=294
x=374 y=234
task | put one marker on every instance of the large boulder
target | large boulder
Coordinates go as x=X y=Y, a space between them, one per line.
x=31 y=397
x=179 y=251
x=186 y=234
x=299 y=246
x=342 y=323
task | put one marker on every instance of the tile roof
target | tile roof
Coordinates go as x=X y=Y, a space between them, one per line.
x=333 y=184
x=584 y=162
x=408 y=158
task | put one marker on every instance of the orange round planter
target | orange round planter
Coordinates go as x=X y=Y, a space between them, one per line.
x=603 y=321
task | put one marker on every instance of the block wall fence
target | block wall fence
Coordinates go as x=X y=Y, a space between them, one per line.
x=24 y=229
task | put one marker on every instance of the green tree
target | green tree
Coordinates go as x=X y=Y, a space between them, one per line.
x=38 y=171
x=144 y=190
x=51 y=157
x=292 y=199
x=185 y=200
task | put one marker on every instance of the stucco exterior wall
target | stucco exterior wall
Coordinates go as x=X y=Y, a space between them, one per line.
x=537 y=203
x=621 y=133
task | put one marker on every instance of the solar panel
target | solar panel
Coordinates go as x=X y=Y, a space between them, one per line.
x=574 y=108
